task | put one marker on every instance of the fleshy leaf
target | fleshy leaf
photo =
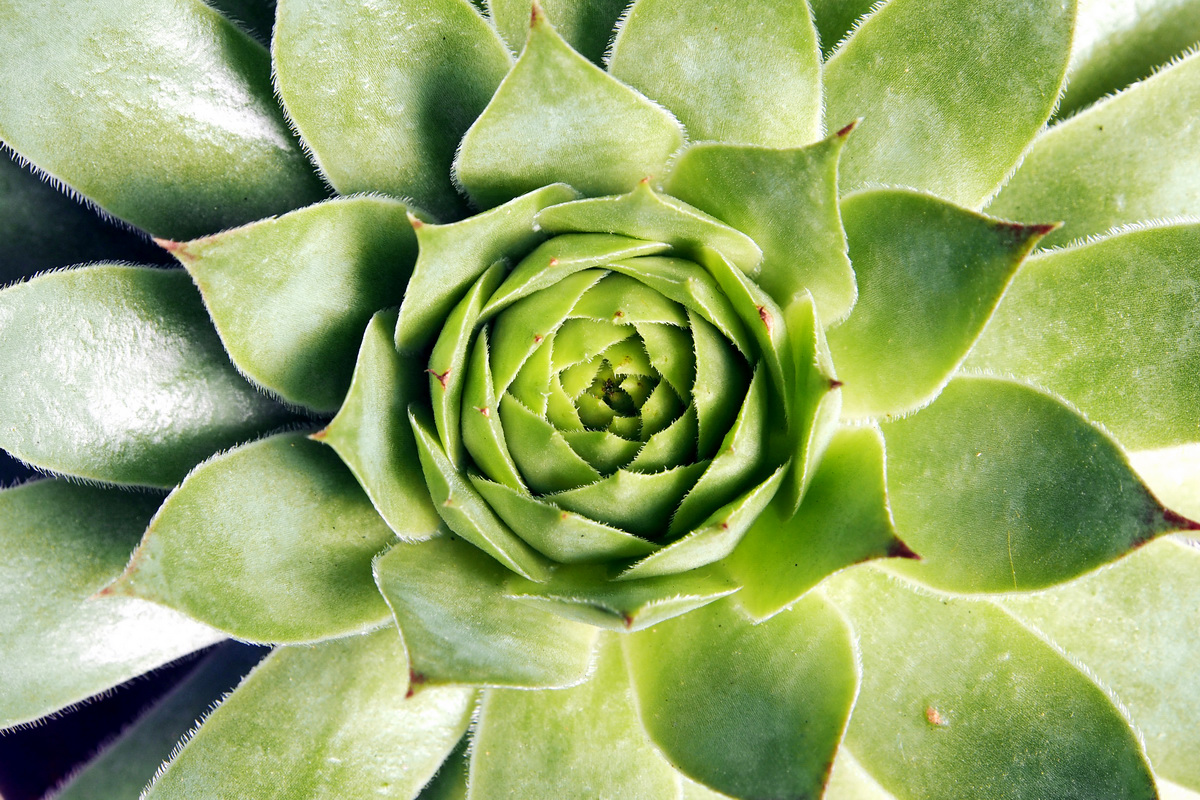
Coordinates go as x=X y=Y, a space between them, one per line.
x=587 y=25
x=459 y=628
x=552 y=118
x=835 y=18
x=271 y=542
x=786 y=201
x=372 y=436
x=1000 y=487
x=115 y=374
x=1173 y=474
x=969 y=85
x=42 y=228
x=450 y=783
x=960 y=684
x=452 y=257
x=748 y=73
x=930 y=275
x=1114 y=47
x=574 y=744
x=750 y=710
x=290 y=296
x=183 y=136
x=125 y=767
x=61 y=544
x=641 y=503
x=394 y=89
x=327 y=722
x=1129 y=159
x=466 y=513
x=1114 y=327
x=844 y=519
x=587 y=593
x=850 y=781
x=1133 y=626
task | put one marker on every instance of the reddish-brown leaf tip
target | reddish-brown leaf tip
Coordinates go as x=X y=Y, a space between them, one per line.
x=415 y=679
x=536 y=14
x=320 y=435
x=1179 y=522
x=849 y=129
x=441 y=377
x=834 y=383
x=898 y=549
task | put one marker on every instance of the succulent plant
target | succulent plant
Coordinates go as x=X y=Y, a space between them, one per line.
x=680 y=400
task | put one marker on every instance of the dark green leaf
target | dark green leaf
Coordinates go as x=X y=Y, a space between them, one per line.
x=587 y=25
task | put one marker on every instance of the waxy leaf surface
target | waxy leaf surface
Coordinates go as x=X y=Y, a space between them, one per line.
x=182 y=135
x=62 y=543
x=1000 y=487
x=271 y=542
x=290 y=296
x=750 y=710
x=394 y=89
x=960 y=684
x=587 y=25
x=951 y=92
x=748 y=73
x=329 y=722
x=115 y=374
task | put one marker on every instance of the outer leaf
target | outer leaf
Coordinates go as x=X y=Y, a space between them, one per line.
x=62 y=543
x=953 y=70
x=114 y=373
x=183 y=136
x=1045 y=495
x=843 y=520
x=549 y=120
x=395 y=87
x=271 y=542
x=130 y=763
x=575 y=744
x=1117 y=44
x=43 y=228
x=752 y=711
x=587 y=25
x=849 y=781
x=452 y=257
x=372 y=436
x=1173 y=474
x=946 y=267
x=1114 y=327
x=459 y=627
x=786 y=200
x=325 y=722
x=958 y=683
x=290 y=296
x=1133 y=625
x=1129 y=159
x=748 y=73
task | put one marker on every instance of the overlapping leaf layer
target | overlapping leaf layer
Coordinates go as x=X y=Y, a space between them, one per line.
x=550 y=457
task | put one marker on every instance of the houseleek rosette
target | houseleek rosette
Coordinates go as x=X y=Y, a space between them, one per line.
x=549 y=453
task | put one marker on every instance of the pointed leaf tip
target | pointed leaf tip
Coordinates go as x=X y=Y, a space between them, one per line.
x=848 y=129
x=536 y=14
x=1178 y=522
x=899 y=549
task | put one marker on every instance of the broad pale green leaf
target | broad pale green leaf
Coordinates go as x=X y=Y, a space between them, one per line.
x=968 y=85
x=182 y=134
x=271 y=542
x=750 y=710
x=1118 y=43
x=126 y=766
x=589 y=594
x=460 y=628
x=290 y=296
x=946 y=267
x=836 y=18
x=42 y=228
x=1129 y=159
x=959 y=684
x=844 y=519
x=1133 y=626
x=1173 y=791
x=640 y=503
x=329 y=722
x=747 y=73
x=574 y=744
x=115 y=374
x=394 y=88
x=466 y=512
x=1173 y=474
x=372 y=436
x=850 y=781
x=786 y=201
x=587 y=25
x=450 y=783
x=552 y=118
x=452 y=257
x=1112 y=326
x=1000 y=487
x=62 y=543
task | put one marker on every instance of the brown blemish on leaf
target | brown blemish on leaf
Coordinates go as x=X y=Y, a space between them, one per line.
x=441 y=378
x=628 y=620
x=554 y=262
x=483 y=410
x=834 y=383
x=415 y=679
x=765 y=316
x=537 y=338
x=934 y=718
